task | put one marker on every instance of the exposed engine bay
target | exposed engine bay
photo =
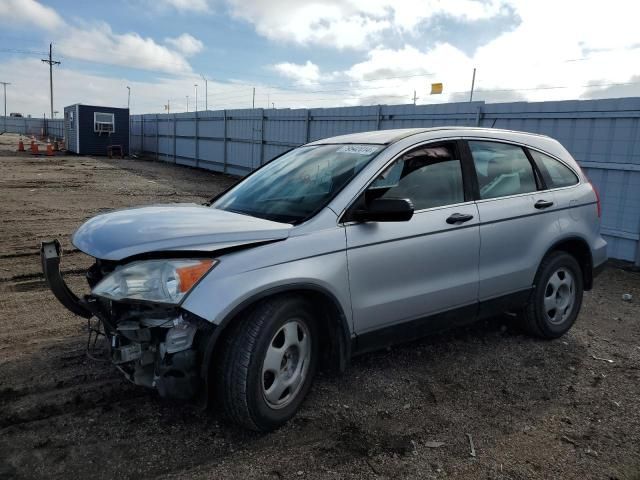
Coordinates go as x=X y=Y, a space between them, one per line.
x=156 y=349
x=158 y=345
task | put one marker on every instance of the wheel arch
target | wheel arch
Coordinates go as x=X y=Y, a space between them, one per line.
x=579 y=248
x=335 y=337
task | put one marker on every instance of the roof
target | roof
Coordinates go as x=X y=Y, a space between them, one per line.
x=386 y=137
x=96 y=106
x=378 y=137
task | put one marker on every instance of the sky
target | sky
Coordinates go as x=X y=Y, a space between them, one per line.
x=321 y=53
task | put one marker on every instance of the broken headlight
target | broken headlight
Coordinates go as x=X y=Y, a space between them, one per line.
x=166 y=281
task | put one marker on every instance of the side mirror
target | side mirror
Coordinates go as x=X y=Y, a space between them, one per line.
x=385 y=210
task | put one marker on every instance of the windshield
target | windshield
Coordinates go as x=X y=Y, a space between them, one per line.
x=295 y=186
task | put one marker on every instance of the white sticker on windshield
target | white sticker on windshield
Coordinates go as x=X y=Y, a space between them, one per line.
x=359 y=149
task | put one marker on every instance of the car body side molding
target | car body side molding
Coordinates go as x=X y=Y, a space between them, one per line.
x=424 y=326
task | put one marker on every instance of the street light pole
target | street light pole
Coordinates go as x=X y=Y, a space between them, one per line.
x=196 y=87
x=206 y=92
x=473 y=84
x=187 y=103
x=128 y=97
x=4 y=86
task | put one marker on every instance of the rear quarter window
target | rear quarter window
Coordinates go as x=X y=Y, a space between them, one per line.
x=554 y=172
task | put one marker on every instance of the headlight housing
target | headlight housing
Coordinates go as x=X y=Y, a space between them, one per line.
x=166 y=281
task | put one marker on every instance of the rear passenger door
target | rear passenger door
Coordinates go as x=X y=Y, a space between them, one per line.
x=401 y=271
x=517 y=219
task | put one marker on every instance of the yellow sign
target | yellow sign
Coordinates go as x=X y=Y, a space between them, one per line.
x=436 y=88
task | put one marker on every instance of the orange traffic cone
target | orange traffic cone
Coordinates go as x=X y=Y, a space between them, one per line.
x=34 y=149
x=21 y=146
x=49 y=150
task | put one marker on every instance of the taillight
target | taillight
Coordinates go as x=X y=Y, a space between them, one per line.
x=595 y=190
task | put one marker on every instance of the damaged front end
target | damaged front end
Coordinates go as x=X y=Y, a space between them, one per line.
x=153 y=342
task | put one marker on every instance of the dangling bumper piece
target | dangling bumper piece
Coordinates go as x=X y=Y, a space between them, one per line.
x=50 y=254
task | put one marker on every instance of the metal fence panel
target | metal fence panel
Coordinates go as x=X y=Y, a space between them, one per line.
x=38 y=127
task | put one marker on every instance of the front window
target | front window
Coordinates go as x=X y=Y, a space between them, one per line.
x=294 y=187
x=429 y=176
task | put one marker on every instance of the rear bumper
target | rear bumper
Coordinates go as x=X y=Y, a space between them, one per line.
x=50 y=253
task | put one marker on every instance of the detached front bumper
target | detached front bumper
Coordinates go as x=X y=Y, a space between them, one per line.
x=50 y=253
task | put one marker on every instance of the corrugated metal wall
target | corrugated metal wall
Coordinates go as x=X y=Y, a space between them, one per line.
x=33 y=126
x=603 y=135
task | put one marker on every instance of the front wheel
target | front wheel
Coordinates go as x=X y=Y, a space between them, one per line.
x=557 y=297
x=268 y=364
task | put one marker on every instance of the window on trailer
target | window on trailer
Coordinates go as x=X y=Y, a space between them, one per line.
x=103 y=122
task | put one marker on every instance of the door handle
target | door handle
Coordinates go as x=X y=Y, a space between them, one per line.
x=540 y=204
x=459 y=218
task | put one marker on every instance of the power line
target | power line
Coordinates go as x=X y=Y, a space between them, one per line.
x=23 y=52
x=284 y=99
x=553 y=87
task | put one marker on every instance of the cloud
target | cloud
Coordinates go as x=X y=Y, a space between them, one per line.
x=99 y=42
x=330 y=23
x=29 y=91
x=355 y=24
x=188 y=5
x=185 y=43
x=544 y=57
x=305 y=74
x=549 y=50
x=29 y=13
x=623 y=89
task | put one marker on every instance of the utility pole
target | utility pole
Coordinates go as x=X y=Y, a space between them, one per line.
x=167 y=107
x=206 y=92
x=414 y=97
x=187 y=103
x=473 y=82
x=4 y=86
x=128 y=97
x=196 y=87
x=253 y=103
x=51 y=63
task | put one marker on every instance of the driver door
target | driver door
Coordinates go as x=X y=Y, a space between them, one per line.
x=404 y=271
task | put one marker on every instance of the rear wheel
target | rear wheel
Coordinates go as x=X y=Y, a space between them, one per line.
x=557 y=297
x=268 y=364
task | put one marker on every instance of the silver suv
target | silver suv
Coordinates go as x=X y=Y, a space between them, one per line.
x=335 y=248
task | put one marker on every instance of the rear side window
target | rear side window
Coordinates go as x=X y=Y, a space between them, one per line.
x=554 y=173
x=502 y=169
x=429 y=176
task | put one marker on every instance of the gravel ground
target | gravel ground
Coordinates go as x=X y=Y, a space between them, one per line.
x=533 y=409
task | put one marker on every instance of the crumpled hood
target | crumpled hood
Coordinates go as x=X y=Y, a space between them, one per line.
x=124 y=233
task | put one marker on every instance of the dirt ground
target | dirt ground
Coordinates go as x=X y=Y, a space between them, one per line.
x=533 y=409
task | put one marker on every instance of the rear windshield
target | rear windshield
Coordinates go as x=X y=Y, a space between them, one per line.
x=292 y=188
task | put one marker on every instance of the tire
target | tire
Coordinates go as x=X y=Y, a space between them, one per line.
x=557 y=297
x=274 y=345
